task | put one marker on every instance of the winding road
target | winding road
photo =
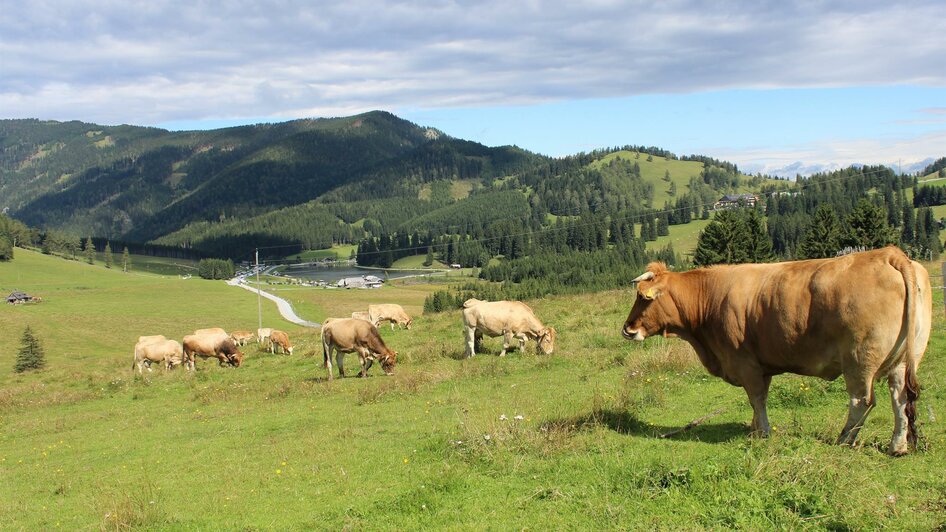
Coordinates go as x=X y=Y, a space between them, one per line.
x=285 y=309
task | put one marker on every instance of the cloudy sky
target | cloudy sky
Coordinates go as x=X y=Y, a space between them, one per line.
x=769 y=85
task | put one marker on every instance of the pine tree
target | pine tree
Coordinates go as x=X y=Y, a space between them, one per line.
x=822 y=238
x=31 y=355
x=867 y=227
x=907 y=236
x=430 y=257
x=108 y=255
x=89 y=251
x=724 y=241
x=759 y=244
x=126 y=260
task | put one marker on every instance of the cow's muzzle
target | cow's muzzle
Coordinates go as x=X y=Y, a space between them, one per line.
x=633 y=334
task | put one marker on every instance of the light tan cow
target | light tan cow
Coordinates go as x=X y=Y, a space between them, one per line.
x=864 y=316
x=218 y=346
x=361 y=316
x=390 y=312
x=167 y=352
x=242 y=337
x=211 y=330
x=509 y=319
x=351 y=335
x=262 y=336
x=280 y=340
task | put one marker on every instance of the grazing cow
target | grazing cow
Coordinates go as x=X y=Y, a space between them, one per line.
x=279 y=340
x=390 y=312
x=211 y=330
x=348 y=335
x=242 y=337
x=262 y=335
x=361 y=316
x=168 y=352
x=218 y=346
x=509 y=319
x=864 y=316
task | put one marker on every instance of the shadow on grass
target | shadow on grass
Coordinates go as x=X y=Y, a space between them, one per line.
x=624 y=422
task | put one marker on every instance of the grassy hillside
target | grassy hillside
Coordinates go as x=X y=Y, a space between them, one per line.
x=566 y=441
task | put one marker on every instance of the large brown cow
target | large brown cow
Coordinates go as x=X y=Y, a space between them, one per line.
x=157 y=349
x=390 y=312
x=864 y=316
x=509 y=319
x=218 y=346
x=352 y=335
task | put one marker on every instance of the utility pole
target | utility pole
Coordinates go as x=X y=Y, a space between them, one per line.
x=259 y=300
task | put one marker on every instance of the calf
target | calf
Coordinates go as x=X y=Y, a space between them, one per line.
x=280 y=340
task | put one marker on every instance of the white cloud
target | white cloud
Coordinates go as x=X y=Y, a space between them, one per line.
x=148 y=62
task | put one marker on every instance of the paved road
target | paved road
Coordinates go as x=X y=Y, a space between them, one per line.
x=285 y=309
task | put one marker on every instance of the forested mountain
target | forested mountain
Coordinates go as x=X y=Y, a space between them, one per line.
x=315 y=183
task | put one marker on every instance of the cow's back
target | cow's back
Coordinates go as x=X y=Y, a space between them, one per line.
x=497 y=316
x=349 y=333
x=804 y=316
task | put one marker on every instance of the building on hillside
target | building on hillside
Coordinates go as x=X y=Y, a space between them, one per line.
x=16 y=298
x=734 y=201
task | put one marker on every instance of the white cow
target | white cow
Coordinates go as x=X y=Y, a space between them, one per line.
x=509 y=319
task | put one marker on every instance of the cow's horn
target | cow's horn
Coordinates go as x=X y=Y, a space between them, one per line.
x=646 y=276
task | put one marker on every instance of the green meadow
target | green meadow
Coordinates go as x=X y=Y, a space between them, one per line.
x=567 y=441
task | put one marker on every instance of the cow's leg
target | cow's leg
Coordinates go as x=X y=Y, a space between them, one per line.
x=756 y=385
x=363 y=354
x=339 y=361
x=507 y=342
x=898 y=400
x=470 y=341
x=391 y=323
x=860 y=389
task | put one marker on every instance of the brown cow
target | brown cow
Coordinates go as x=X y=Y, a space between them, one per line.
x=509 y=319
x=211 y=330
x=152 y=350
x=348 y=335
x=390 y=312
x=864 y=316
x=279 y=340
x=242 y=337
x=218 y=346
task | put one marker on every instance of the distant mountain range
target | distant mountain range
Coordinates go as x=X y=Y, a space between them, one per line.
x=797 y=168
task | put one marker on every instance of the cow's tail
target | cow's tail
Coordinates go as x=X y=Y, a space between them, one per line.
x=911 y=386
x=324 y=347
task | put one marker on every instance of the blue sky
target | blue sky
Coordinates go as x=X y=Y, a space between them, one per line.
x=779 y=87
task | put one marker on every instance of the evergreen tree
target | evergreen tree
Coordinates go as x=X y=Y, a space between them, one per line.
x=108 y=255
x=126 y=260
x=724 y=241
x=6 y=248
x=759 y=245
x=867 y=227
x=822 y=238
x=430 y=256
x=907 y=236
x=89 y=251
x=31 y=355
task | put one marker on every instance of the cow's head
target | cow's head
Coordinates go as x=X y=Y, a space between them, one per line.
x=648 y=315
x=232 y=352
x=410 y=321
x=547 y=341
x=387 y=361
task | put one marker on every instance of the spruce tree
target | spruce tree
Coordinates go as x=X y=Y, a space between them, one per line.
x=6 y=248
x=430 y=257
x=108 y=255
x=759 y=245
x=31 y=355
x=89 y=251
x=724 y=241
x=867 y=227
x=822 y=237
x=126 y=260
